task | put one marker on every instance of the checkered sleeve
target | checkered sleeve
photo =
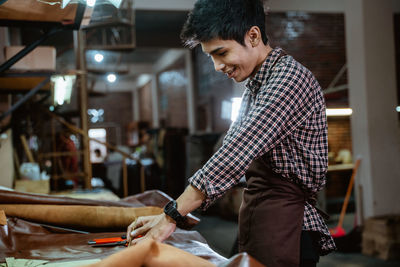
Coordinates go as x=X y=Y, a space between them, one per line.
x=282 y=104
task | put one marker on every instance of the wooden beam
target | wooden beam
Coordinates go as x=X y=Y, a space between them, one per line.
x=59 y=154
x=336 y=89
x=16 y=163
x=83 y=103
x=337 y=76
x=26 y=148
x=69 y=175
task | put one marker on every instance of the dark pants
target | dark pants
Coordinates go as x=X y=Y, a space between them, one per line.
x=309 y=255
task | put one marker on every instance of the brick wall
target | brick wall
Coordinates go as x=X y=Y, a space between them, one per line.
x=339 y=134
x=316 y=41
x=117 y=114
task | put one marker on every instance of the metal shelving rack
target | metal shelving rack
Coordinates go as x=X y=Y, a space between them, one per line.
x=51 y=19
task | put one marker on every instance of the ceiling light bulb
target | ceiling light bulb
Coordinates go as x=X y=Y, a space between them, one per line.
x=111 y=78
x=98 y=57
x=91 y=3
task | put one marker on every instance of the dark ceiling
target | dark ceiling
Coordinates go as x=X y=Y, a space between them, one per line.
x=159 y=28
x=156 y=31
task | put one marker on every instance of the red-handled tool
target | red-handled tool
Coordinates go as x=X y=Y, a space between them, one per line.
x=107 y=240
x=110 y=241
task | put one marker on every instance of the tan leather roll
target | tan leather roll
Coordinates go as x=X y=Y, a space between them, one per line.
x=3 y=218
x=79 y=216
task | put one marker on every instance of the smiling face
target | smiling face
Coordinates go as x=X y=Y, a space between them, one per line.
x=235 y=60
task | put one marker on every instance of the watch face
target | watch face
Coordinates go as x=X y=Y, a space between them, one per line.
x=171 y=205
x=171 y=210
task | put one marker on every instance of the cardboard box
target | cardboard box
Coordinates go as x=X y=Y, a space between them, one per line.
x=387 y=227
x=41 y=58
x=381 y=237
x=6 y=160
x=29 y=186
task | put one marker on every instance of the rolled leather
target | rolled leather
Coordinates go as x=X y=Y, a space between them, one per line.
x=154 y=198
x=76 y=216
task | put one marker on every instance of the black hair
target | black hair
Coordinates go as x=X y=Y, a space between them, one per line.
x=225 y=19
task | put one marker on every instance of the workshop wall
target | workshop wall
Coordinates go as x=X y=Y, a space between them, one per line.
x=397 y=51
x=315 y=40
x=173 y=83
x=117 y=115
x=145 y=106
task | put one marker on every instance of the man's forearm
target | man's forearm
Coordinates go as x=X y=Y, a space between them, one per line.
x=190 y=200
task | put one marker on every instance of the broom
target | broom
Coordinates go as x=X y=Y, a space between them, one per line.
x=338 y=231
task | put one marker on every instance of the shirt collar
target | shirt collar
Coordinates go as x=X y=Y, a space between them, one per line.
x=254 y=83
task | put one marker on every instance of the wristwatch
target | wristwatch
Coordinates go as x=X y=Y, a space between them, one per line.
x=171 y=210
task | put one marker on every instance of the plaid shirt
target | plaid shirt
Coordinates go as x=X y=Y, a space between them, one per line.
x=282 y=117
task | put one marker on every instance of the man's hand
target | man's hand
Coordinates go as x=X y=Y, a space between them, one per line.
x=158 y=227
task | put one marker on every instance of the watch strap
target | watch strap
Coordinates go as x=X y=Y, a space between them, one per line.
x=171 y=209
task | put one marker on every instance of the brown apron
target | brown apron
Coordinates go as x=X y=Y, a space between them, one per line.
x=271 y=217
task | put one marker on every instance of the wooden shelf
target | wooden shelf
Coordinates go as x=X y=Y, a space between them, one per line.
x=16 y=81
x=341 y=167
x=21 y=84
x=117 y=48
x=33 y=13
x=105 y=71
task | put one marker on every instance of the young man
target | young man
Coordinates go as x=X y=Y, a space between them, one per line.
x=279 y=142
